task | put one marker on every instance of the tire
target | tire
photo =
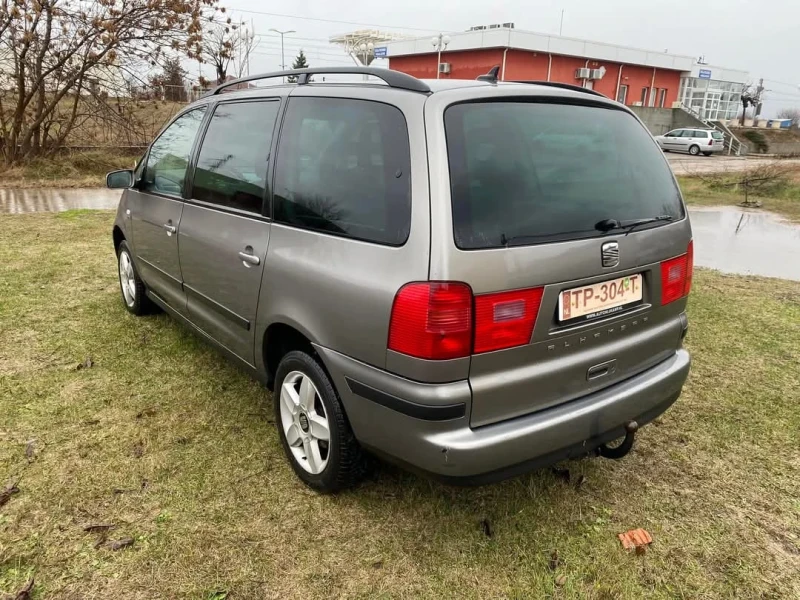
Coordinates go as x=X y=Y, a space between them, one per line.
x=327 y=466
x=694 y=150
x=706 y=153
x=131 y=286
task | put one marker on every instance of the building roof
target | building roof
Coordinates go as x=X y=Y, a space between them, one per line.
x=503 y=37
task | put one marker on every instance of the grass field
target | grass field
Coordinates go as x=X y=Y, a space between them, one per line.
x=79 y=169
x=159 y=436
x=781 y=196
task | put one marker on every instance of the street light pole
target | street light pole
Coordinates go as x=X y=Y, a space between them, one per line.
x=439 y=42
x=283 y=56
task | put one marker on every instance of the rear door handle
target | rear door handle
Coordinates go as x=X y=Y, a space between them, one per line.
x=170 y=228
x=249 y=259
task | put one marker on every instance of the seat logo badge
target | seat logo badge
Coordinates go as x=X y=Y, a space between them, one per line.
x=609 y=253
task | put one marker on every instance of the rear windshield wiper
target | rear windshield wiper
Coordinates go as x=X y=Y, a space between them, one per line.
x=607 y=225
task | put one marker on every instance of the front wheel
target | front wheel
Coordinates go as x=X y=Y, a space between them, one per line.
x=313 y=428
x=694 y=150
x=131 y=285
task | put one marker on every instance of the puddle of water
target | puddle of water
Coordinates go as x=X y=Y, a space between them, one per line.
x=725 y=238
x=745 y=242
x=56 y=200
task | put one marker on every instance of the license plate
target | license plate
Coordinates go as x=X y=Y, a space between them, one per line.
x=599 y=299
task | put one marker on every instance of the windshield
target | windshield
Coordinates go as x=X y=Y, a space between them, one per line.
x=527 y=173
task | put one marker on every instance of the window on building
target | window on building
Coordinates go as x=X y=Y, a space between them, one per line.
x=622 y=95
x=662 y=97
x=644 y=96
x=344 y=168
x=232 y=166
x=165 y=171
x=653 y=92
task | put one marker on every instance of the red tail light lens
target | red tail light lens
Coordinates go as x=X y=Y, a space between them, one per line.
x=689 y=268
x=676 y=276
x=505 y=319
x=711 y=142
x=432 y=320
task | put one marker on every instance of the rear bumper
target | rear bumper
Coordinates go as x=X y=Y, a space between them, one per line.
x=449 y=449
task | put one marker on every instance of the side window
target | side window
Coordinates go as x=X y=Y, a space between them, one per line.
x=344 y=167
x=701 y=134
x=165 y=171
x=687 y=133
x=232 y=166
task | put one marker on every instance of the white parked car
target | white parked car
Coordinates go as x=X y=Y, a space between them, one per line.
x=693 y=141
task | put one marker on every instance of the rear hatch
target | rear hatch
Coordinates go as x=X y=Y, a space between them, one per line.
x=717 y=139
x=565 y=215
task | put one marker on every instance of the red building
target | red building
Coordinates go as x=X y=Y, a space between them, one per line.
x=629 y=75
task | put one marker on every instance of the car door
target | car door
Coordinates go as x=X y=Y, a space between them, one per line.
x=225 y=229
x=686 y=140
x=668 y=141
x=156 y=205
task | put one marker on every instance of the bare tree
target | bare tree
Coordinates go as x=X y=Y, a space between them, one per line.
x=227 y=46
x=57 y=54
x=790 y=113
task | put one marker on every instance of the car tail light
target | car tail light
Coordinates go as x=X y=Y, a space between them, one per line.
x=711 y=142
x=689 y=268
x=505 y=319
x=432 y=320
x=676 y=276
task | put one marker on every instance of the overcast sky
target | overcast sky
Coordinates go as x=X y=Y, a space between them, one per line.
x=760 y=37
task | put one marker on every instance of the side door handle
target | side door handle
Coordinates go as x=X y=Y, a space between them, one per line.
x=170 y=227
x=248 y=258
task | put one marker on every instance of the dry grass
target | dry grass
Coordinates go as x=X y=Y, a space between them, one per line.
x=781 y=196
x=70 y=170
x=165 y=440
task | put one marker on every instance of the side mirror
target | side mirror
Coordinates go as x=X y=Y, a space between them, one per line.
x=119 y=180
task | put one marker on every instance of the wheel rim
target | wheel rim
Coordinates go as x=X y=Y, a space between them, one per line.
x=694 y=150
x=127 y=279
x=304 y=422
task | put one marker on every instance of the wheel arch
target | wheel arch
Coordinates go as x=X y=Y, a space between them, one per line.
x=118 y=237
x=280 y=338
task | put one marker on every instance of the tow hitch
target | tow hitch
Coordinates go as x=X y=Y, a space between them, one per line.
x=616 y=452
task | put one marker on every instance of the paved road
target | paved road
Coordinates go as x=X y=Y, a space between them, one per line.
x=683 y=164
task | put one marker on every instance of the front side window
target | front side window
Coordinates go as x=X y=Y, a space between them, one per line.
x=232 y=166
x=344 y=168
x=525 y=173
x=168 y=160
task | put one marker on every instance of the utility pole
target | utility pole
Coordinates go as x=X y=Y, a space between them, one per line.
x=439 y=42
x=283 y=56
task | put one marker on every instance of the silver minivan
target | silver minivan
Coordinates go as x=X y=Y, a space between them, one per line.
x=693 y=141
x=469 y=278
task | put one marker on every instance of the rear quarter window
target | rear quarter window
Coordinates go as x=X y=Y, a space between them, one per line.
x=344 y=168
x=533 y=172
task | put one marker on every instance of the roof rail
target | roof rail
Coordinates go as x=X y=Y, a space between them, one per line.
x=565 y=86
x=394 y=79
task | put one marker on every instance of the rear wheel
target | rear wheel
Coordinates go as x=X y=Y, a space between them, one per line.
x=706 y=153
x=694 y=150
x=314 y=431
x=131 y=286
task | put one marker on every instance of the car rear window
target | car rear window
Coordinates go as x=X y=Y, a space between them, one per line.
x=530 y=172
x=717 y=135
